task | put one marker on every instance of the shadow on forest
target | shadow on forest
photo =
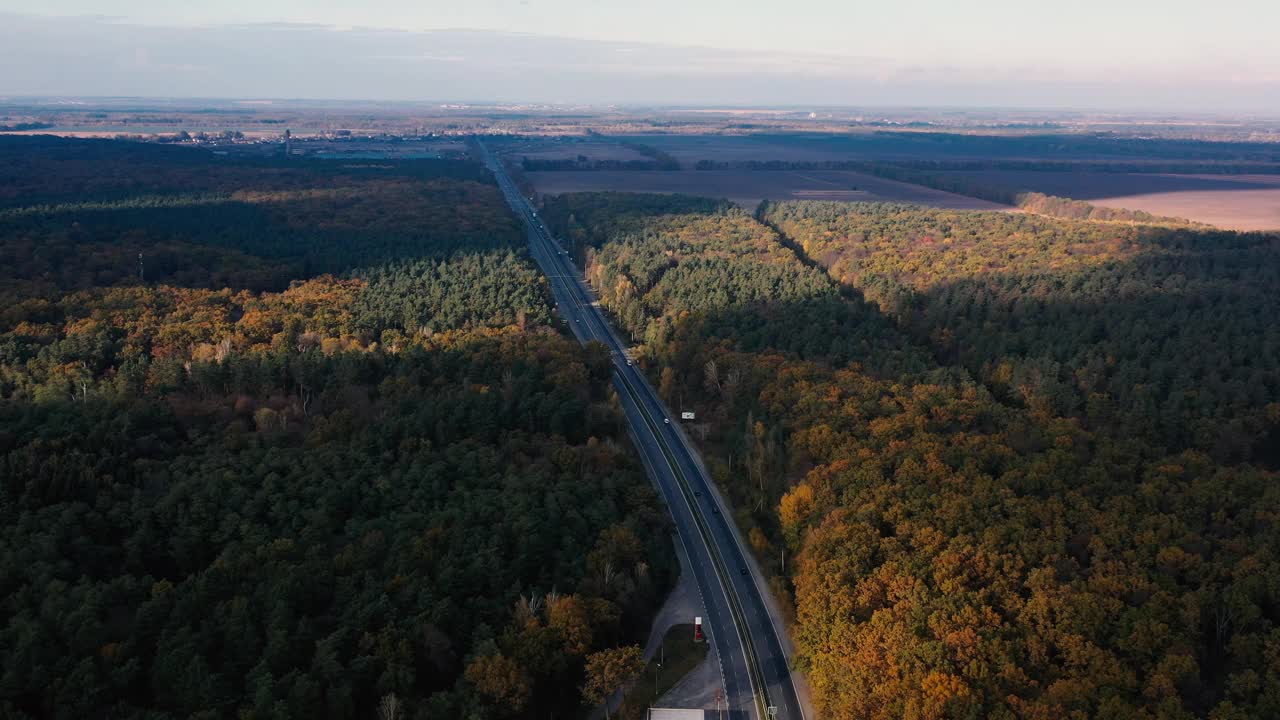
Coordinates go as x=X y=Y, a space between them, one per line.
x=362 y=497
x=89 y=213
x=44 y=169
x=408 y=503
x=1180 y=379
x=226 y=243
x=1174 y=345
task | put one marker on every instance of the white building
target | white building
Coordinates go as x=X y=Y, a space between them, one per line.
x=676 y=714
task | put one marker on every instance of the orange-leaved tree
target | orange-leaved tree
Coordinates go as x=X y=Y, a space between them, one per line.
x=609 y=670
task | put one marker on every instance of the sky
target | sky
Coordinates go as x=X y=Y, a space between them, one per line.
x=1098 y=54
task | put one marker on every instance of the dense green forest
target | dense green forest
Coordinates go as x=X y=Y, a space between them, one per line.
x=1165 y=334
x=1020 y=466
x=317 y=449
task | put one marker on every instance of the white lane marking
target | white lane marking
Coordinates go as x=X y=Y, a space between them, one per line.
x=684 y=546
x=724 y=587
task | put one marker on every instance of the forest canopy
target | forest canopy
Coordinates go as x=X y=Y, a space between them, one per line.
x=286 y=439
x=1020 y=466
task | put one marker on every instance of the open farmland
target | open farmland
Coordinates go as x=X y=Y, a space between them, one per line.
x=748 y=187
x=689 y=149
x=1134 y=154
x=1235 y=202
x=572 y=148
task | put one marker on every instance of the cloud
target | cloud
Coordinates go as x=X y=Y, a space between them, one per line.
x=84 y=56
x=418 y=58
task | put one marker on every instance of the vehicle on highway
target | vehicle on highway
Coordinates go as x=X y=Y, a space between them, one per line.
x=752 y=678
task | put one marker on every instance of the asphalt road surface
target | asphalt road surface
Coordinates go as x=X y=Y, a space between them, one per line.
x=755 y=674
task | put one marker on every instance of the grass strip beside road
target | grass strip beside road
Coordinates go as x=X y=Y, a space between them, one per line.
x=679 y=656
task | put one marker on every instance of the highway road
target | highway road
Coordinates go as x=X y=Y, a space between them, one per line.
x=756 y=676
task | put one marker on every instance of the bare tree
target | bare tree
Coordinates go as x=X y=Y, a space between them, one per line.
x=223 y=349
x=731 y=381
x=389 y=707
x=711 y=373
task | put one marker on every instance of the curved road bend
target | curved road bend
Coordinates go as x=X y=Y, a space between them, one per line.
x=754 y=666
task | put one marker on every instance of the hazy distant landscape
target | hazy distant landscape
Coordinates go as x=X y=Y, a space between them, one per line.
x=1225 y=179
x=1221 y=186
